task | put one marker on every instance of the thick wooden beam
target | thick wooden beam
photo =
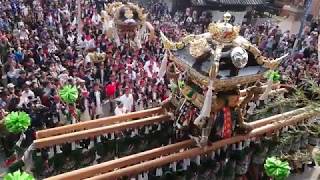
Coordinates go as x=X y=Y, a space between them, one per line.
x=97 y=123
x=90 y=133
x=279 y=117
x=152 y=164
x=272 y=93
x=122 y=162
x=243 y=92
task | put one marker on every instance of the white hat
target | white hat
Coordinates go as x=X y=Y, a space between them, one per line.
x=10 y=85
x=28 y=83
x=81 y=80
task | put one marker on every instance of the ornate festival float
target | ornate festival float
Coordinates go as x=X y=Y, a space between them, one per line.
x=227 y=113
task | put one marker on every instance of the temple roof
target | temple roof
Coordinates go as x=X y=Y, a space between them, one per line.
x=229 y=2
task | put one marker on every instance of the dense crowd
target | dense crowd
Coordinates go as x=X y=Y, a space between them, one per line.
x=44 y=45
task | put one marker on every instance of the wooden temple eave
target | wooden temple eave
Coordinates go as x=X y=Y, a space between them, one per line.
x=152 y=164
x=97 y=123
x=140 y=162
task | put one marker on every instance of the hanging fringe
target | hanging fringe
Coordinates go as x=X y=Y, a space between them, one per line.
x=27 y=158
x=267 y=91
x=163 y=66
x=206 y=109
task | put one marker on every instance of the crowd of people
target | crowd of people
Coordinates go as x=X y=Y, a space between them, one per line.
x=45 y=44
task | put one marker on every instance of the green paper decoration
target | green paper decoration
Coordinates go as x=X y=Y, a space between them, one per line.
x=273 y=75
x=18 y=175
x=69 y=94
x=277 y=169
x=17 y=122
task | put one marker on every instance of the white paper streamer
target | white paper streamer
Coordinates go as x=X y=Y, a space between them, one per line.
x=91 y=145
x=213 y=154
x=252 y=107
x=58 y=149
x=206 y=109
x=240 y=145
x=146 y=130
x=267 y=90
x=96 y=159
x=22 y=137
x=73 y=146
x=173 y=166
x=51 y=153
x=27 y=158
x=145 y=175
x=184 y=165
x=112 y=136
x=163 y=66
x=99 y=139
x=159 y=172
x=198 y=160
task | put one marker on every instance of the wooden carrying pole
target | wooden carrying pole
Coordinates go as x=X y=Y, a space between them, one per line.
x=122 y=162
x=90 y=133
x=97 y=123
x=152 y=154
x=84 y=134
x=152 y=164
x=108 y=121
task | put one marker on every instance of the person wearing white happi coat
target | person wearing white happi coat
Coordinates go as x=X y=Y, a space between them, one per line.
x=96 y=99
x=127 y=100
